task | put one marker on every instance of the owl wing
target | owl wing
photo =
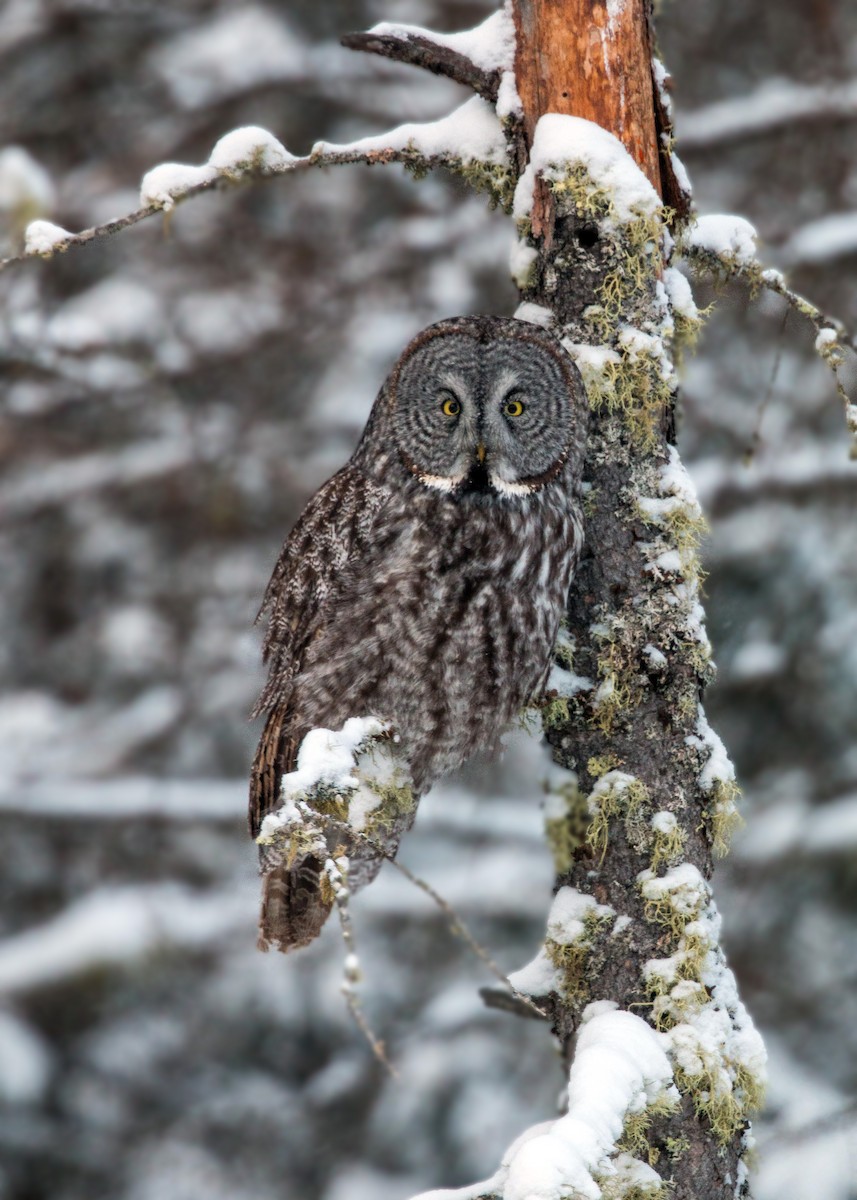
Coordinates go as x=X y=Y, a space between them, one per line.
x=335 y=528
x=333 y=533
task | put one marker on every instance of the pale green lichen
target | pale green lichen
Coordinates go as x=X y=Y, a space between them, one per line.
x=600 y=764
x=573 y=958
x=683 y=1001
x=711 y=1064
x=396 y=800
x=634 y=388
x=631 y=1179
x=725 y=1110
x=495 y=179
x=629 y=384
x=676 y=1147
x=668 y=840
x=616 y=796
x=556 y=712
x=686 y=331
x=683 y=526
x=721 y=815
x=635 y=1131
x=674 y=900
x=620 y=683
x=566 y=823
x=590 y=501
x=613 y=1189
x=580 y=193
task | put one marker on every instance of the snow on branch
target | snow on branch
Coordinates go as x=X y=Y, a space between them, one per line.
x=563 y=145
x=344 y=774
x=620 y=1070
x=725 y=246
x=242 y=155
x=347 y=803
x=471 y=134
x=333 y=766
x=470 y=140
x=482 y=58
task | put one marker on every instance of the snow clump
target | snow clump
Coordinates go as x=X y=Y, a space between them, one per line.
x=490 y=47
x=561 y=143
x=620 y=1067
x=42 y=237
x=248 y=149
x=327 y=758
x=470 y=134
x=728 y=238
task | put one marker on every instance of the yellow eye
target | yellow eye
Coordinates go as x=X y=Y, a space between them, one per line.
x=513 y=408
x=451 y=407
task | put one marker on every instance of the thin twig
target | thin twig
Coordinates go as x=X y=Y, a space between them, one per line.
x=755 y=276
x=775 y=282
x=337 y=874
x=406 y=155
x=831 y=353
x=431 y=56
x=504 y=1001
x=456 y=923
x=755 y=440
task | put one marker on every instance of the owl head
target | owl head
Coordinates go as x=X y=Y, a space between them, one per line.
x=486 y=405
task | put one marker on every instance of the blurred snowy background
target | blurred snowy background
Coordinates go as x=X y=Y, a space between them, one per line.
x=170 y=400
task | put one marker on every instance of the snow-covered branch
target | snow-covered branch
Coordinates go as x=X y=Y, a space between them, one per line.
x=482 y=58
x=725 y=247
x=352 y=775
x=251 y=154
x=470 y=140
x=407 y=44
x=346 y=805
x=620 y=1080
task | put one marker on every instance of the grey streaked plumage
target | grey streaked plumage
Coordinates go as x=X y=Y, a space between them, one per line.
x=424 y=583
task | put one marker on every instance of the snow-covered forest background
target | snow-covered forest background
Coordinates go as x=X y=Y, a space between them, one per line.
x=171 y=397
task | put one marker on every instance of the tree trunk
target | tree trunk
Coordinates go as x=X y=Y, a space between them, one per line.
x=652 y=793
x=591 y=59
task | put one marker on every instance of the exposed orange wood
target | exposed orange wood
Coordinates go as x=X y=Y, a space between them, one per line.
x=591 y=59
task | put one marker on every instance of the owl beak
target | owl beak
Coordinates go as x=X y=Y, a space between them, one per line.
x=480 y=453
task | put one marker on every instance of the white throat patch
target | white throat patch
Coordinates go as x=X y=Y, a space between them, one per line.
x=507 y=488
x=443 y=483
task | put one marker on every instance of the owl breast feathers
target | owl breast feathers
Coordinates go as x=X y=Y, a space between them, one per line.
x=425 y=582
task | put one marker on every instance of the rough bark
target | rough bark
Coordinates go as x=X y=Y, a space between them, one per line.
x=582 y=59
x=571 y=57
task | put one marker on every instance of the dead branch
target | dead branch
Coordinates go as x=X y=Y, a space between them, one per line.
x=431 y=56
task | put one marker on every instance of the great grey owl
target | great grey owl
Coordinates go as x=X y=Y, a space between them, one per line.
x=424 y=582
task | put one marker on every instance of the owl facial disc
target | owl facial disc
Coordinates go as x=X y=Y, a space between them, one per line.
x=485 y=406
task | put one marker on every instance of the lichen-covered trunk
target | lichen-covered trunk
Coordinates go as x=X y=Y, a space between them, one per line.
x=650 y=794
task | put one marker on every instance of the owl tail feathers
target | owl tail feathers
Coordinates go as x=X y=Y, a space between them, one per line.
x=294 y=906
